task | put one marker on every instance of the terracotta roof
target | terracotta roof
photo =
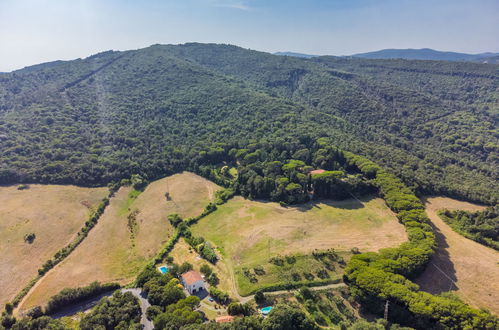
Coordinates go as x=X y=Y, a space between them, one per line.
x=224 y=319
x=319 y=171
x=191 y=277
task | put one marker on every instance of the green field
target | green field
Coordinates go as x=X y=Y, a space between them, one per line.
x=248 y=233
x=294 y=269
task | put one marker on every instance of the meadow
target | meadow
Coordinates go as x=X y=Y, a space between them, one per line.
x=53 y=213
x=248 y=233
x=460 y=265
x=132 y=229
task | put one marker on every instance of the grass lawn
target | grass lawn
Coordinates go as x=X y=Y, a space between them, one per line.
x=113 y=252
x=248 y=233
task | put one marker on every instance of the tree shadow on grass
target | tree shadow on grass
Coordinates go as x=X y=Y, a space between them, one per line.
x=440 y=274
x=345 y=204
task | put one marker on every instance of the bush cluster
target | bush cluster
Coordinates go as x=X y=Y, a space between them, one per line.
x=220 y=296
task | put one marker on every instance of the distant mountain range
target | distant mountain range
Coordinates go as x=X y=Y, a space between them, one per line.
x=416 y=54
x=429 y=54
x=293 y=54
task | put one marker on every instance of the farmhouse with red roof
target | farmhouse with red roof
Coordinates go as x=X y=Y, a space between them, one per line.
x=193 y=281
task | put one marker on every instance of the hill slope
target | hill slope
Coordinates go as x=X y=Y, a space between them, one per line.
x=150 y=111
x=115 y=250
x=424 y=54
x=293 y=54
x=59 y=214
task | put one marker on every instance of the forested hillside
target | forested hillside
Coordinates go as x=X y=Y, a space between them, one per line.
x=151 y=111
x=425 y=54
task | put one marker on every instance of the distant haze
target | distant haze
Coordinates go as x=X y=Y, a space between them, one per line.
x=416 y=54
x=35 y=31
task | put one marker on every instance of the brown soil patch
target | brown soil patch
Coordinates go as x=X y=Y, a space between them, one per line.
x=53 y=213
x=460 y=264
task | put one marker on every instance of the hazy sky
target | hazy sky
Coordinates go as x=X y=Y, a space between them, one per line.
x=34 y=31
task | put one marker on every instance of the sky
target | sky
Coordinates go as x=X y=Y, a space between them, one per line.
x=36 y=31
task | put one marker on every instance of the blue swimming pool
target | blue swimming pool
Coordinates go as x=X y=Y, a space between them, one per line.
x=266 y=310
x=163 y=269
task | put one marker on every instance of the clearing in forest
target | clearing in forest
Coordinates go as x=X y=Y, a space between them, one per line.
x=460 y=264
x=248 y=233
x=53 y=213
x=130 y=232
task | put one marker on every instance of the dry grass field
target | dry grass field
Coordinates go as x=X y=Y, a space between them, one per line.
x=460 y=264
x=114 y=251
x=247 y=233
x=53 y=213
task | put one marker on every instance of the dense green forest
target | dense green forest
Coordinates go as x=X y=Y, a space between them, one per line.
x=150 y=111
x=482 y=227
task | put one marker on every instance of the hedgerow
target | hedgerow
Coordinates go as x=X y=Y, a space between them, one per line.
x=377 y=277
x=70 y=296
x=294 y=285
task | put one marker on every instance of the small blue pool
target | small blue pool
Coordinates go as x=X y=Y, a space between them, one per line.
x=266 y=310
x=163 y=269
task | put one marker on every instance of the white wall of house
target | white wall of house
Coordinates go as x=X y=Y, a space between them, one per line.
x=195 y=286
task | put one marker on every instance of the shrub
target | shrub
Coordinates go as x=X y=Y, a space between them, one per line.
x=175 y=219
x=322 y=273
x=220 y=296
x=309 y=276
x=235 y=308
x=212 y=279
x=259 y=270
x=278 y=261
x=260 y=297
x=208 y=253
x=29 y=238
x=206 y=270
x=185 y=267
x=35 y=312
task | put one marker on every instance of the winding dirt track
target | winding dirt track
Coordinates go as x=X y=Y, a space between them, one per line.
x=460 y=264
